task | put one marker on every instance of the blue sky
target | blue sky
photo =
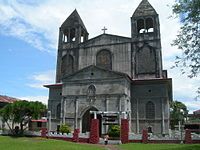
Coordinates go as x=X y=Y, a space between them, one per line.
x=29 y=34
x=20 y=63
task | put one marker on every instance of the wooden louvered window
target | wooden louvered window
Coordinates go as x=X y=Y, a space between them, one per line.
x=150 y=110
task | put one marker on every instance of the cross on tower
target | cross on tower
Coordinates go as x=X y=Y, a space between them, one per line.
x=104 y=30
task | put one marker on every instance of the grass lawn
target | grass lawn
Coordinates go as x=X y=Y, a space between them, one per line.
x=10 y=143
x=160 y=147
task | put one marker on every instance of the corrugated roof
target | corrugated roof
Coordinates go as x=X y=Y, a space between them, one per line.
x=39 y=120
x=197 y=112
x=7 y=99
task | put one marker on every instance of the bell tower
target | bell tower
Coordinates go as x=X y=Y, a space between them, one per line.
x=146 y=44
x=71 y=33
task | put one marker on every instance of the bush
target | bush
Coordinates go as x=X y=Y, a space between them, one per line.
x=64 y=128
x=114 y=131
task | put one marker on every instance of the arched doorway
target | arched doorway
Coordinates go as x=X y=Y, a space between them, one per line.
x=86 y=120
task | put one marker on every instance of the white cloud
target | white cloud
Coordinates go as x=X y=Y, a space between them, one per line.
x=192 y=105
x=38 y=24
x=181 y=83
x=18 y=20
x=42 y=99
x=184 y=88
x=42 y=78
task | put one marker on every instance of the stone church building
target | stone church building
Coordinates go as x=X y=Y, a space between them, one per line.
x=122 y=77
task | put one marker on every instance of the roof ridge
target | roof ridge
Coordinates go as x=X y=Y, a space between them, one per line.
x=68 y=21
x=7 y=99
x=144 y=9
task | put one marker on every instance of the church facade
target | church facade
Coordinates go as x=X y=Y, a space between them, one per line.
x=111 y=73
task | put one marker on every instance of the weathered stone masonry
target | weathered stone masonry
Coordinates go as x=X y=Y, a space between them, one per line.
x=111 y=73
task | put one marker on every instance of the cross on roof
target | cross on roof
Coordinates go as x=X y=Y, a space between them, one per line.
x=104 y=30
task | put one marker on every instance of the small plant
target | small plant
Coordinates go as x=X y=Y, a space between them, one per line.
x=64 y=128
x=114 y=131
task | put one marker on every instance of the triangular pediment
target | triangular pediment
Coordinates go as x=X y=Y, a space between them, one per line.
x=94 y=73
x=105 y=39
x=144 y=9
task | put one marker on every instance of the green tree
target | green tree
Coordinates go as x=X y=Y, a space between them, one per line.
x=114 y=131
x=178 y=112
x=21 y=112
x=64 y=128
x=188 y=38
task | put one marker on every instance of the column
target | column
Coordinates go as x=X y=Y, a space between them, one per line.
x=49 y=122
x=85 y=36
x=120 y=104
x=106 y=109
x=163 y=116
x=95 y=115
x=94 y=132
x=79 y=34
x=124 y=135
x=61 y=38
x=137 y=118
x=64 y=110
x=106 y=104
x=75 y=113
x=68 y=36
x=129 y=115
x=120 y=108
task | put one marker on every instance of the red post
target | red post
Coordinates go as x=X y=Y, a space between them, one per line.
x=188 y=138
x=94 y=131
x=124 y=131
x=76 y=135
x=144 y=136
x=44 y=132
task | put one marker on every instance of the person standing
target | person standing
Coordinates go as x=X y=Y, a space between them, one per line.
x=106 y=139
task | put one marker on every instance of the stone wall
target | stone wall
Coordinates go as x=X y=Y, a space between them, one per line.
x=119 y=47
x=158 y=94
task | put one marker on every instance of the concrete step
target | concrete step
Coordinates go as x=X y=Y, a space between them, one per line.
x=112 y=142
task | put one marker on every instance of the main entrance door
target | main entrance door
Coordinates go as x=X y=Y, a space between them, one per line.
x=86 y=120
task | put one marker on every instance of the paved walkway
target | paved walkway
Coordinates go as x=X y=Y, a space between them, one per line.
x=112 y=144
x=109 y=147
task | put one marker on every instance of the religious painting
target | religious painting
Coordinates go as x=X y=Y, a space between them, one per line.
x=91 y=92
x=104 y=59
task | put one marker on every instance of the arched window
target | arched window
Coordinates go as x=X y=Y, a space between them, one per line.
x=149 y=25
x=91 y=90
x=104 y=59
x=150 y=110
x=91 y=93
x=145 y=26
x=58 y=111
x=72 y=34
x=140 y=26
x=146 y=61
x=65 y=36
x=67 y=66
